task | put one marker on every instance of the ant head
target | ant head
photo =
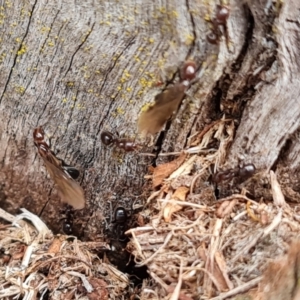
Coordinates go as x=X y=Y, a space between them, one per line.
x=107 y=138
x=38 y=134
x=188 y=71
x=222 y=14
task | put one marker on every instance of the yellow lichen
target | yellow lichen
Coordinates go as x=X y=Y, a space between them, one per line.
x=8 y=4
x=207 y=18
x=22 y=50
x=189 y=39
x=175 y=13
x=120 y=111
x=80 y=106
x=88 y=47
x=146 y=106
x=162 y=10
x=45 y=29
x=20 y=89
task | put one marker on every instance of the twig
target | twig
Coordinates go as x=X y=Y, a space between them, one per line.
x=153 y=195
x=158 y=280
x=137 y=229
x=276 y=191
x=251 y=244
x=196 y=177
x=240 y=289
x=183 y=203
x=235 y=196
x=6 y=216
x=44 y=263
x=169 y=236
x=276 y=221
x=84 y=280
x=176 y=292
x=181 y=228
x=193 y=150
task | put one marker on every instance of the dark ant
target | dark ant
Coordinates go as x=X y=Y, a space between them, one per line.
x=242 y=173
x=120 y=215
x=72 y=171
x=221 y=16
x=120 y=220
x=61 y=173
x=108 y=139
x=118 y=240
x=68 y=220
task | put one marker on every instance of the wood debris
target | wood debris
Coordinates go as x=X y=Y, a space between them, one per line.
x=198 y=248
x=163 y=171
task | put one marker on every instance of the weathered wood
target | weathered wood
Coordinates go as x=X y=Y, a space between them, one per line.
x=84 y=67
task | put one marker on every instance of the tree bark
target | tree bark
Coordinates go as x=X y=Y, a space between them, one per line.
x=79 y=68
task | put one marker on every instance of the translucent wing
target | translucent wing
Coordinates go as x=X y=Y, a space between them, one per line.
x=70 y=191
x=166 y=103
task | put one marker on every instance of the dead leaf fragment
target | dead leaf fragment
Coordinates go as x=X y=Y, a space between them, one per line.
x=225 y=208
x=171 y=208
x=163 y=171
x=100 y=289
x=55 y=246
x=180 y=193
x=19 y=253
x=223 y=268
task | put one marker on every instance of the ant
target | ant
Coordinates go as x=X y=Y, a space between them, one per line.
x=68 y=220
x=167 y=102
x=109 y=139
x=221 y=16
x=242 y=173
x=120 y=220
x=39 y=141
x=61 y=173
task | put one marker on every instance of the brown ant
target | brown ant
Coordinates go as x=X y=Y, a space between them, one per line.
x=109 y=139
x=188 y=71
x=221 y=16
x=61 y=173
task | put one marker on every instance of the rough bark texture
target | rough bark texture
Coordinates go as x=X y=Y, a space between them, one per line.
x=83 y=67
